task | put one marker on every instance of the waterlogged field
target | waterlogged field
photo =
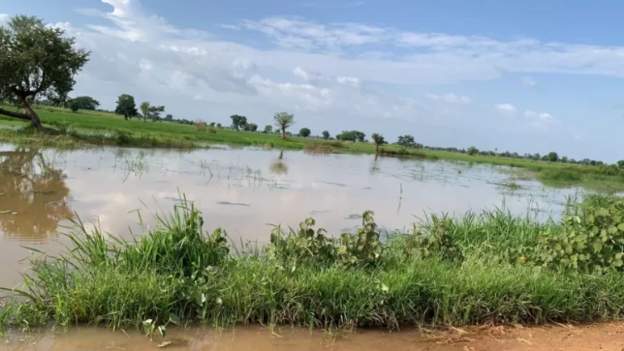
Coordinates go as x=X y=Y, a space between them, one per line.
x=245 y=191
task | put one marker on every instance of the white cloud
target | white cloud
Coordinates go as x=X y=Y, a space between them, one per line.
x=506 y=108
x=450 y=98
x=453 y=57
x=301 y=73
x=351 y=81
x=331 y=76
x=4 y=18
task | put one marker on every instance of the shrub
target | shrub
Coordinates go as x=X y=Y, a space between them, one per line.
x=590 y=240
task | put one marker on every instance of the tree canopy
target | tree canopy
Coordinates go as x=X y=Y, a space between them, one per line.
x=325 y=135
x=151 y=111
x=379 y=140
x=126 y=106
x=238 y=121
x=36 y=60
x=83 y=103
x=351 y=135
x=283 y=120
x=305 y=132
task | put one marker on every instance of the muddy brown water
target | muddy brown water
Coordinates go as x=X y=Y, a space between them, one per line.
x=244 y=190
x=606 y=337
x=247 y=191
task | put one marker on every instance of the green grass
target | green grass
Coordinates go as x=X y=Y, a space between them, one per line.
x=69 y=129
x=487 y=268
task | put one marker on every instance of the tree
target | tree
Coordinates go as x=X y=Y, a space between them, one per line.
x=406 y=140
x=154 y=112
x=379 y=140
x=305 y=132
x=472 y=151
x=325 y=134
x=126 y=106
x=83 y=103
x=351 y=135
x=251 y=127
x=36 y=60
x=552 y=157
x=238 y=121
x=145 y=108
x=283 y=121
x=620 y=163
x=268 y=129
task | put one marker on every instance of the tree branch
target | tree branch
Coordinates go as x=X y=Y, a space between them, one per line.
x=15 y=114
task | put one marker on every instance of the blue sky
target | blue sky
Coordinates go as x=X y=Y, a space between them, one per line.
x=525 y=76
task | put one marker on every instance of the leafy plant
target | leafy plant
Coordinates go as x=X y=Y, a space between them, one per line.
x=435 y=239
x=590 y=240
x=313 y=246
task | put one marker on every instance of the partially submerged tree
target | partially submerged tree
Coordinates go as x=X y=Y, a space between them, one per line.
x=283 y=120
x=379 y=140
x=36 y=60
x=126 y=106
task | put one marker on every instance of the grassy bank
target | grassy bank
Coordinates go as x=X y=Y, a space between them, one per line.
x=69 y=129
x=489 y=268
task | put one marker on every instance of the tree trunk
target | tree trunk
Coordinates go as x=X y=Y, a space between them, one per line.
x=13 y=114
x=34 y=118
x=283 y=133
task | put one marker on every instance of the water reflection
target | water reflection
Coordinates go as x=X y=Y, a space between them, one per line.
x=33 y=195
x=241 y=190
x=279 y=167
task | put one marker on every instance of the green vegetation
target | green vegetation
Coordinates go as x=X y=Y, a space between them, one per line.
x=37 y=60
x=488 y=268
x=284 y=120
x=67 y=129
x=126 y=106
x=83 y=103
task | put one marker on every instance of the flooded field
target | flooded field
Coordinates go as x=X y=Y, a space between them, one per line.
x=245 y=191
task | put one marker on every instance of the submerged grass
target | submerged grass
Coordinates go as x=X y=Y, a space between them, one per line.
x=486 y=268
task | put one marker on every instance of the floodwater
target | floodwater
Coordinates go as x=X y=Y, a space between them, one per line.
x=246 y=191
x=606 y=337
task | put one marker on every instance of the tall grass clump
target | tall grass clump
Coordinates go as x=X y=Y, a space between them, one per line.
x=480 y=268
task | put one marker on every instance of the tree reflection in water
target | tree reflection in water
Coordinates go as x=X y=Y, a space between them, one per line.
x=279 y=167
x=33 y=195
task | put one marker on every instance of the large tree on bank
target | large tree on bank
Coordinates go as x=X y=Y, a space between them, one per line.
x=36 y=60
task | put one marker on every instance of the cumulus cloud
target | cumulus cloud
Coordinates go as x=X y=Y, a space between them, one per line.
x=330 y=75
x=471 y=57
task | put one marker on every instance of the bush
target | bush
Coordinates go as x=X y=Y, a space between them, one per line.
x=590 y=240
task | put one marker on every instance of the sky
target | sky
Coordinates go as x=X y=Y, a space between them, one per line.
x=525 y=76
